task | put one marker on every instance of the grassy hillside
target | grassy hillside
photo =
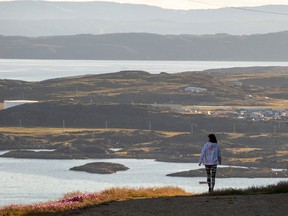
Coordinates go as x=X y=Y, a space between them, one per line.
x=119 y=110
x=137 y=87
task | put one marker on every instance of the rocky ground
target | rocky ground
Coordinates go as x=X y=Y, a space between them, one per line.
x=250 y=150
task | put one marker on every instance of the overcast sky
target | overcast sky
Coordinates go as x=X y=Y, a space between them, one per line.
x=190 y=4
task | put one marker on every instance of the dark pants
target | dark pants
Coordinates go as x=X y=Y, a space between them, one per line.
x=211 y=174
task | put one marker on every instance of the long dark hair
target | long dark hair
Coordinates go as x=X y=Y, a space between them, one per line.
x=212 y=138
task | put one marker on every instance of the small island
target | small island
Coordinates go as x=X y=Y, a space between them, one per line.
x=236 y=172
x=100 y=168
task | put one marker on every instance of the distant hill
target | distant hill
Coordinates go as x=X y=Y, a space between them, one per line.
x=41 y=18
x=144 y=46
x=139 y=87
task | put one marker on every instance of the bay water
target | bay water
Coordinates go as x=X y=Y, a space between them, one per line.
x=26 y=181
x=38 y=70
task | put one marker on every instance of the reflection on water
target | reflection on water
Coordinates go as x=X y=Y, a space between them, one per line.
x=32 y=150
x=33 y=180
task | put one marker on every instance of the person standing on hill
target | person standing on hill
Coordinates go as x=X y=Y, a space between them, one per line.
x=210 y=157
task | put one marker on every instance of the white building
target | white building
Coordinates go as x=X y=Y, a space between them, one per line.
x=12 y=103
x=195 y=89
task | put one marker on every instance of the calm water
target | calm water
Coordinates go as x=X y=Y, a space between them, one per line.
x=36 y=70
x=25 y=181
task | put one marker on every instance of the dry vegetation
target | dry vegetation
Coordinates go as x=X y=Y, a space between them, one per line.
x=48 y=131
x=241 y=150
x=77 y=200
x=282 y=153
x=245 y=160
x=168 y=134
x=253 y=149
x=278 y=104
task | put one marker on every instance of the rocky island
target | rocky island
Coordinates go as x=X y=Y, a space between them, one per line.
x=101 y=168
x=236 y=172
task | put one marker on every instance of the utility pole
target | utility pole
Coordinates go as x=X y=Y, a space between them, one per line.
x=76 y=91
x=106 y=124
x=192 y=128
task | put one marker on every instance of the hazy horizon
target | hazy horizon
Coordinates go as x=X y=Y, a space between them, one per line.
x=186 y=4
x=47 y=18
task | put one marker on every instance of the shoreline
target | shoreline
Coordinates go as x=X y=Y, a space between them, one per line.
x=140 y=174
x=223 y=171
x=194 y=66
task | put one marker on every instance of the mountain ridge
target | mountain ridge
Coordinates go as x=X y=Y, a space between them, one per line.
x=147 y=46
x=36 y=18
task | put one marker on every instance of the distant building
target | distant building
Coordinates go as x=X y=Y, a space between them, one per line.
x=195 y=89
x=12 y=103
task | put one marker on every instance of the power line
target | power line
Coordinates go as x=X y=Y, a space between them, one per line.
x=260 y=11
x=244 y=9
x=201 y=2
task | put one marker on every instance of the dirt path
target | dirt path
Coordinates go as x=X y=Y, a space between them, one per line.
x=241 y=205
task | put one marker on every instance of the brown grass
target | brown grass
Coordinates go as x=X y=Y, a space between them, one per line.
x=282 y=153
x=195 y=155
x=270 y=103
x=40 y=130
x=169 y=134
x=278 y=104
x=242 y=150
x=121 y=153
x=239 y=77
x=235 y=135
x=245 y=160
x=260 y=135
x=115 y=194
x=207 y=108
x=143 y=149
x=68 y=202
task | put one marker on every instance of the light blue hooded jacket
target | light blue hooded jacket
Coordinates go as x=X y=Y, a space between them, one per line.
x=210 y=154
